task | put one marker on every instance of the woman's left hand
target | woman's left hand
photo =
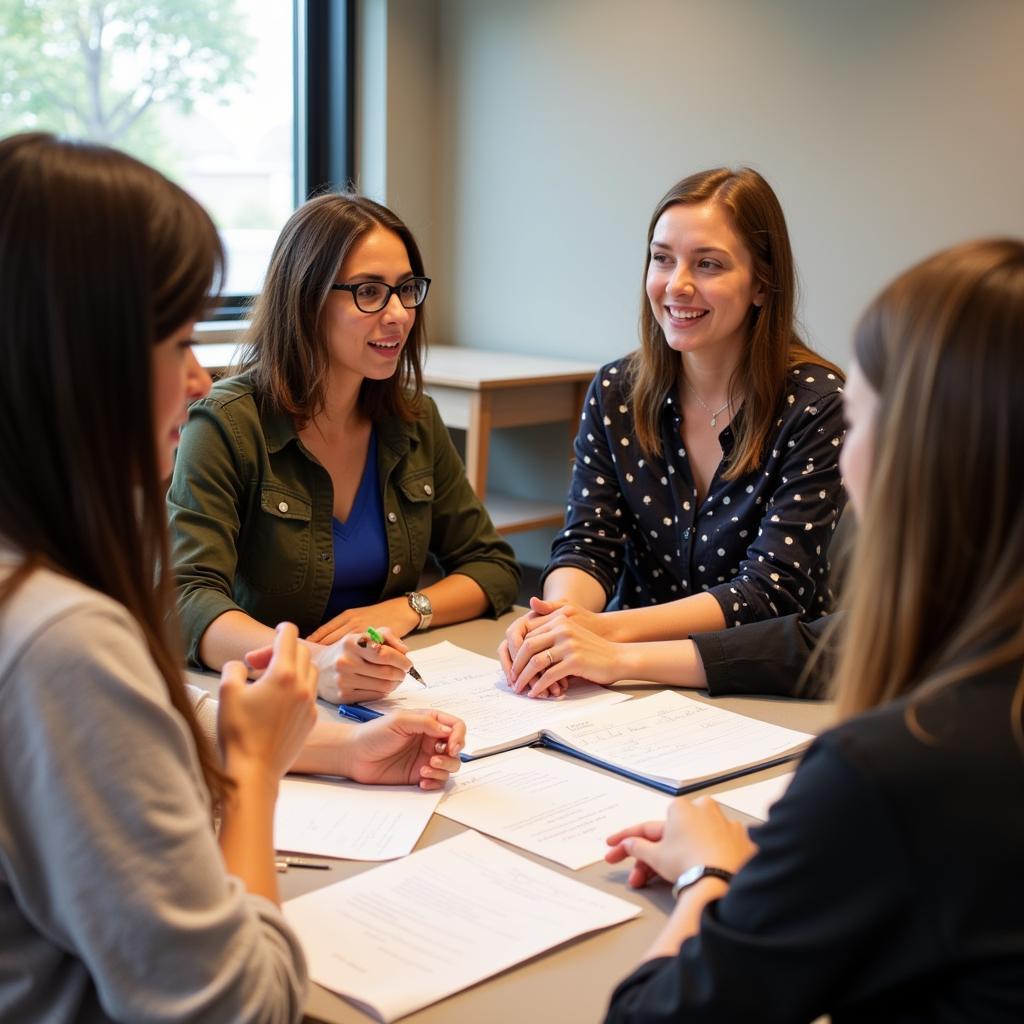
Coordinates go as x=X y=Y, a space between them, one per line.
x=543 y=613
x=396 y=614
x=694 y=832
x=407 y=748
x=557 y=651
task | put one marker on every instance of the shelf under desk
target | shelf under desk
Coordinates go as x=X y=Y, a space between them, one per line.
x=477 y=391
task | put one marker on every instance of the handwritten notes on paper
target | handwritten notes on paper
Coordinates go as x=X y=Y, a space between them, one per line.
x=344 y=819
x=673 y=739
x=409 y=933
x=474 y=688
x=547 y=805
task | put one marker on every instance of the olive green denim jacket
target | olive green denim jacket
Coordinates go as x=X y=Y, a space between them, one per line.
x=251 y=510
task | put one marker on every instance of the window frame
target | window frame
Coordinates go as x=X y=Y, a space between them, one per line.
x=323 y=133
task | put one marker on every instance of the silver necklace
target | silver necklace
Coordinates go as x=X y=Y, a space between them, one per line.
x=713 y=413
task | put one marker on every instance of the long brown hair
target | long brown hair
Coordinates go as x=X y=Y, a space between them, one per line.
x=101 y=257
x=773 y=347
x=286 y=344
x=937 y=584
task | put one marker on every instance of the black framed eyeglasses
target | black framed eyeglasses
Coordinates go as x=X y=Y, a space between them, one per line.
x=373 y=296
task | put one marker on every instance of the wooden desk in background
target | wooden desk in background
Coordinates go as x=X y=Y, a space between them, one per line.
x=478 y=391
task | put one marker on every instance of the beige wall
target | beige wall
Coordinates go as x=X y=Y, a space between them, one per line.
x=534 y=137
x=397 y=104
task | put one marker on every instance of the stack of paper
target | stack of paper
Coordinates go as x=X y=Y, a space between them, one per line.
x=402 y=936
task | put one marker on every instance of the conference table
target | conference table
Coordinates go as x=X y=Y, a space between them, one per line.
x=573 y=982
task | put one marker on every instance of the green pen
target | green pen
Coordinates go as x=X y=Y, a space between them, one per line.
x=378 y=638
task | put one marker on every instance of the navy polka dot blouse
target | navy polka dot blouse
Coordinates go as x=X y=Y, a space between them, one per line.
x=758 y=544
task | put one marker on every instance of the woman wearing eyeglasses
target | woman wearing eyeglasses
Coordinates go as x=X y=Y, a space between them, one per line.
x=313 y=486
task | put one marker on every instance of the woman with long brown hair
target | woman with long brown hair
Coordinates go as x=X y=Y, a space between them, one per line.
x=886 y=883
x=706 y=483
x=316 y=484
x=118 y=900
x=113 y=895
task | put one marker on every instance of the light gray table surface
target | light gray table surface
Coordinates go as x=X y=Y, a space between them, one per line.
x=573 y=982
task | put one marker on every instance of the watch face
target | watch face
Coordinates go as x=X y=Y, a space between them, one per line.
x=691 y=875
x=420 y=604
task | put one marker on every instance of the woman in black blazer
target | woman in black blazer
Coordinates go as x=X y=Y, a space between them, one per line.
x=886 y=884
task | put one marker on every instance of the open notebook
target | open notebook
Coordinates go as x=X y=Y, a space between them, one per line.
x=668 y=741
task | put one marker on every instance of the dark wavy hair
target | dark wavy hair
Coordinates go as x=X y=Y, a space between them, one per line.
x=101 y=257
x=286 y=349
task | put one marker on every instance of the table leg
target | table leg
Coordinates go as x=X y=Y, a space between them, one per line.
x=478 y=442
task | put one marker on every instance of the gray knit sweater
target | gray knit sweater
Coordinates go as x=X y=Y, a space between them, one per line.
x=114 y=902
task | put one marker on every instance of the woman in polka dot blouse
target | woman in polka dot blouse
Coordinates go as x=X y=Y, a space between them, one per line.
x=706 y=483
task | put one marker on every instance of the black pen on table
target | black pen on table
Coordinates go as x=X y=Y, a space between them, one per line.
x=378 y=638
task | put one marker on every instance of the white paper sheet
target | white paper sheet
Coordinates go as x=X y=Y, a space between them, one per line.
x=757 y=798
x=675 y=739
x=409 y=933
x=335 y=818
x=474 y=688
x=547 y=805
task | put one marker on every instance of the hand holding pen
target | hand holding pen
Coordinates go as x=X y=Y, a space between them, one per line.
x=376 y=637
x=353 y=670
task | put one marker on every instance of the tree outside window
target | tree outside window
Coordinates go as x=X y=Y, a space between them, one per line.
x=201 y=89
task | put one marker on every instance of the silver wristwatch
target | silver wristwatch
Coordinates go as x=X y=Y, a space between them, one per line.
x=691 y=876
x=421 y=605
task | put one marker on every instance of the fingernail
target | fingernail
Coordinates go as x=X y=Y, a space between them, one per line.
x=445 y=728
x=627 y=845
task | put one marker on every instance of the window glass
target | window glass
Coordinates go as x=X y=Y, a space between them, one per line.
x=201 y=89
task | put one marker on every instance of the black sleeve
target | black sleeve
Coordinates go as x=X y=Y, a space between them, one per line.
x=767 y=658
x=815 y=920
